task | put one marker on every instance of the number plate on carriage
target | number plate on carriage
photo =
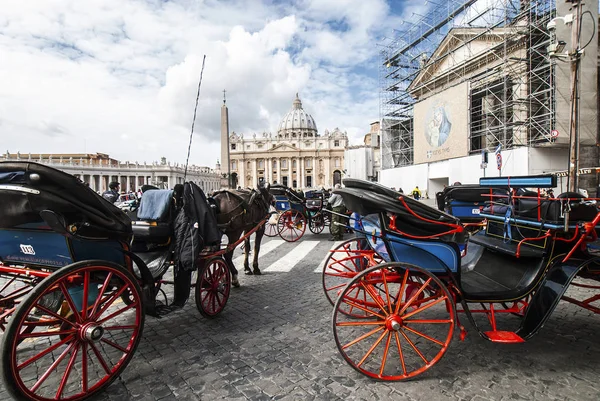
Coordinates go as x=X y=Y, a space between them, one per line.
x=475 y=211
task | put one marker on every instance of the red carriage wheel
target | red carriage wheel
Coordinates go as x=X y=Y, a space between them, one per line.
x=90 y=342
x=271 y=227
x=12 y=291
x=344 y=262
x=213 y=287
x=291 y=225
x=405 y=335
x=316 y=223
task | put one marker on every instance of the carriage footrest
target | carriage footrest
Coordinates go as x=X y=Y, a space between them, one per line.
x=509 y=337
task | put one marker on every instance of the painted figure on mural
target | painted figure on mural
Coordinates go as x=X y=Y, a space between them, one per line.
x=438 y=125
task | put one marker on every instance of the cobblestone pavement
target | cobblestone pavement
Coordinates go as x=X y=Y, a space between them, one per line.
x=274 y=341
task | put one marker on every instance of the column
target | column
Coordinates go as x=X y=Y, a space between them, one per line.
x=241 y=172
x=327 y=162
x=278 y=170
x=301 y=171
x=267 y=170
x=290 y=176
x=315 y=173
x=254 y=173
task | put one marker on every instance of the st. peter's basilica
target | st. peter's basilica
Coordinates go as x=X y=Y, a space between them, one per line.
x=296 y=156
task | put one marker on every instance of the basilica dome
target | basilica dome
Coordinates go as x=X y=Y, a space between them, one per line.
x=297 y=123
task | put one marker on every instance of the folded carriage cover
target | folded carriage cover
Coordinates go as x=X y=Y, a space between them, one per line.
x=412 y=217
x=52 y=189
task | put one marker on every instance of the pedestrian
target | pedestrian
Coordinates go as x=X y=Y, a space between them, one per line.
x=337 y=207
x=112 y=195
x=416 y=193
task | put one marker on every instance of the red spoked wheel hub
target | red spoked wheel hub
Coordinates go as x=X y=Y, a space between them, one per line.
x=403 y=332
x=74 y=351
x=291 y=225
x=213 y=288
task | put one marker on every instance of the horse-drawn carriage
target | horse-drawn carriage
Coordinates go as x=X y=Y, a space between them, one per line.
x=400 y=287
x=77 y=279
x=293 y=211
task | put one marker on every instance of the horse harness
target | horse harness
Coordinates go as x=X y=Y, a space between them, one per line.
x=255 y=196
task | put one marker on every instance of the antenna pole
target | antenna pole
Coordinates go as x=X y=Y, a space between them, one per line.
x=572 y=182
x=194 y=120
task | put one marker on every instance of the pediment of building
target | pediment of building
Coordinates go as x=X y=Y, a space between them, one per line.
x=459 y=47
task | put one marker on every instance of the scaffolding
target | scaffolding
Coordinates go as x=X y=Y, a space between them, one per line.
x=497 y=46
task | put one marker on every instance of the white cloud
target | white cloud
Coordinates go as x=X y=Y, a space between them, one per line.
x=120 y=77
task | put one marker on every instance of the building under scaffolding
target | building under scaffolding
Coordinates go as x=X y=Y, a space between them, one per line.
x=473 y=76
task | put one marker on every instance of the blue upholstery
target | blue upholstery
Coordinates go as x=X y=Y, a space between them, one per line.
x=156 y=205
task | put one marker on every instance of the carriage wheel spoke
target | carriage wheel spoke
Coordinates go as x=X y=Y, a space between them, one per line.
x=84 y=368
x=369 y=311
x=415 y=296
x=361 y=323
x=424 y=307
x=364 y=336
x=101 y=294
x=414 y=347
x=370 y=351
x=369 y=289
x=425 y=336
x=46 y=334
x=110 y=301
x=387 y=293
x=117 y=313
x=65 y=378
x=45 y=352
x=427 y=321
x=385 y=353
x=53 y=314
x=100 y=358
x=52 y=367
x=400 y=292
x=115 y=345
x=400 y=353
x=70 y=302
x=5 y=286
x=86 y=289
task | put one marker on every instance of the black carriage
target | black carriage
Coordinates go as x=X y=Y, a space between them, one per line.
x=77 y=279
x=402 y=285
x=294 y=211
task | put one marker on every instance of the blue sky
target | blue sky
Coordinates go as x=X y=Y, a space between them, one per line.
x=120 y=76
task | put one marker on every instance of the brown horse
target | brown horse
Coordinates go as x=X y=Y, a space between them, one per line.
x=239 y=212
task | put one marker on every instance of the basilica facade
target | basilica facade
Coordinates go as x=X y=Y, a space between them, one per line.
x=296 y=156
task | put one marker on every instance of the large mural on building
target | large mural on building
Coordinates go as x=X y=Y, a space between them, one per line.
x=441 y=126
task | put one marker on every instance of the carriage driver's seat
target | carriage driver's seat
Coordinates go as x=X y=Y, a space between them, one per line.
x=155 y=217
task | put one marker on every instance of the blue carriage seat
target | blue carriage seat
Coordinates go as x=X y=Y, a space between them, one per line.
x=155 y=217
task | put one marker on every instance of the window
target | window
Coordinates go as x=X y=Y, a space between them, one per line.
x=234 y=165
x=336 y=143
x=247 y=146
x=337 y=162
x=294 y=163
x=261 y=164
x=284 y=164
x=248 y=165
x=274 y=164
x=260 y=146
x=233 y=146
x=308 y=163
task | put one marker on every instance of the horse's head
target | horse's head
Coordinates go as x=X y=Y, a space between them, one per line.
x=266 y=194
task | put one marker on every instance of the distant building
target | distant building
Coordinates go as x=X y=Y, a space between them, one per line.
x=99 y=169
x=296 y=156
x=364 y=161
x=480 y=80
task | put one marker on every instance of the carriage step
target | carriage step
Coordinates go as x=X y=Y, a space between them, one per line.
x=509 y=337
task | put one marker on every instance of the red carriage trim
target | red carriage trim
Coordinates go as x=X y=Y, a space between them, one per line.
x=518 y=253
x=456 y=228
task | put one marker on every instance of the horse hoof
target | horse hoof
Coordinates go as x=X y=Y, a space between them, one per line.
x=248 y=272
x=257 y=272
x=235 y=282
